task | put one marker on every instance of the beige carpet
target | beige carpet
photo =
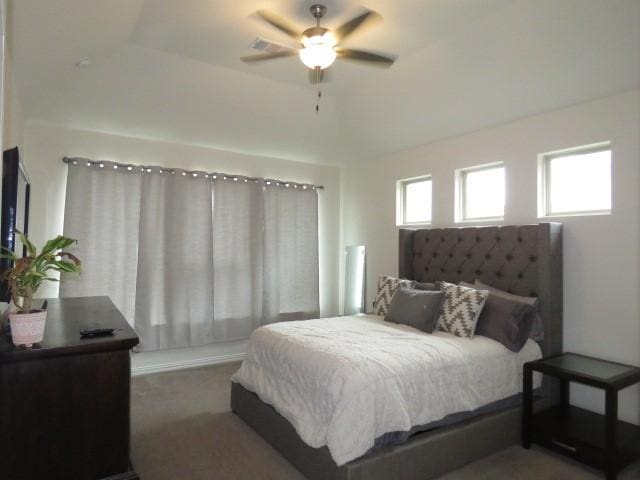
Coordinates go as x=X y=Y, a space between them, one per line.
x=182 y=429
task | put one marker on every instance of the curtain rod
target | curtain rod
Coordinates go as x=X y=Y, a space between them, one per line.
x=194 y=173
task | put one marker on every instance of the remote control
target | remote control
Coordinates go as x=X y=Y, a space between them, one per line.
x=96 y=332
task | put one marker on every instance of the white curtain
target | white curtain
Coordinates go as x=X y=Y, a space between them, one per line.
x=237 y=258
x=174 y=293
x=291 y=254
x=102 y=211
x=190 y=260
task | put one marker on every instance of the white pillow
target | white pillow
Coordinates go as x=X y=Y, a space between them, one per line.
x=387 y=286
x=461 y=308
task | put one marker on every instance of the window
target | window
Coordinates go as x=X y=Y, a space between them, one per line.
x=414 y=201
x=480 y=193
x=575 y=181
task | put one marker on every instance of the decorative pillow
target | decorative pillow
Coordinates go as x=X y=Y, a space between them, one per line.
x=461 y=309
x=416 y=308
x=504 y=320
x=427 y=286
x=537 y=326
x=387 y=286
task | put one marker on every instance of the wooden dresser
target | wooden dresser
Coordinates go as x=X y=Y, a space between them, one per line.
x=64 y=405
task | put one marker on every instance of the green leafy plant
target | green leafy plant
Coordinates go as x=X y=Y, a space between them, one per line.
x=29 y=272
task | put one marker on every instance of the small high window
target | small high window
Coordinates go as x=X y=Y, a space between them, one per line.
x=480 y=193
x=414 y=201
x=576 y=181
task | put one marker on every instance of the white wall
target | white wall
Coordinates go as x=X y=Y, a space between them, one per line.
x=45 y=146
x=601 y=253
x=13 y=121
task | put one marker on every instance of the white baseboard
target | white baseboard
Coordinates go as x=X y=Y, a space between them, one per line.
x=182 y=364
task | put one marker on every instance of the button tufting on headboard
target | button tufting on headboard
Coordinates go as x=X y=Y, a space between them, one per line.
x=505 y=257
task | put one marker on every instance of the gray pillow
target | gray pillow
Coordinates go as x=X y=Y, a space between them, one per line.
x=505 y=321
x=426 y=286
x=537 y=326
x=416 y=308
x=387 y=286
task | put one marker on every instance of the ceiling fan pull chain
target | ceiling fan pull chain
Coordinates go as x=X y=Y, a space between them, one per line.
x=318 y=101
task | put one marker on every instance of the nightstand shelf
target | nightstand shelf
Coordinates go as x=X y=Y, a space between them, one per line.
x=601 y=441
x=580 y=434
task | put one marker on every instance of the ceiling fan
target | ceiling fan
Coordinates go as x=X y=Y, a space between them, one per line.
x=319 y=46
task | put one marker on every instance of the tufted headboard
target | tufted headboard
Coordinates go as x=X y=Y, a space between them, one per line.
x=521 y=259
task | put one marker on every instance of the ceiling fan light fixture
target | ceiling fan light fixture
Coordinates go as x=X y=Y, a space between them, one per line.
x=321 y=56
x=318 y=50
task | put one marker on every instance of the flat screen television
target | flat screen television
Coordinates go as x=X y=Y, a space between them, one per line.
x=15 y=210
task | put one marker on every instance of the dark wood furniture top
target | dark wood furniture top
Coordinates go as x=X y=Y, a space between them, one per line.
x=65 y=402
x=601 y=441
x=66 y=317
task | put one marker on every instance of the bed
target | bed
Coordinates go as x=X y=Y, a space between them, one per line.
x=525 y=260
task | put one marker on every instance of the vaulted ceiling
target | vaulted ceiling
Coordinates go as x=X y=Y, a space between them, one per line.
x=170 y=70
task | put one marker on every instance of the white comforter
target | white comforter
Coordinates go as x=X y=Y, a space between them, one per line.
x=343 y=382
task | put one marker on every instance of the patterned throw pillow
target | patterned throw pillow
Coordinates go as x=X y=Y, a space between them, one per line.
x=387 y=286
x=461 y=309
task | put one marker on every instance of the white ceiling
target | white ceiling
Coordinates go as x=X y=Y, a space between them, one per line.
x=170 y=69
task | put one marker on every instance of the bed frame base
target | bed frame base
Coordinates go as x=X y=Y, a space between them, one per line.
x=424 y=456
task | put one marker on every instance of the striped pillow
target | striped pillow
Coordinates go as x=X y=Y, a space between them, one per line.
x=387 y=286
x=461 y=309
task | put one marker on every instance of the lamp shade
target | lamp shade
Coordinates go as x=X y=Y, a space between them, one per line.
x=318 y=51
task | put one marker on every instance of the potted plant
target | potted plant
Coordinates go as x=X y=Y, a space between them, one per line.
x=24 y=279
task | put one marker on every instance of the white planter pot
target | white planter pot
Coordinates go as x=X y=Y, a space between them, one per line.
x=27 y=328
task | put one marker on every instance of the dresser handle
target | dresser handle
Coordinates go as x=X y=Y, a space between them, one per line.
x=564 y=445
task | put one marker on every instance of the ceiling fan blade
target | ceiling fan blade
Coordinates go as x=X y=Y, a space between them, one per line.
x=346 y=30
x=267 y=46
x=318 y=75
x=362 y=56
x=280 y=23
x=268 y=56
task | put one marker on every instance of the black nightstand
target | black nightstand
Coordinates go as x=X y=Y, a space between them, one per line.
x=601 y=441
